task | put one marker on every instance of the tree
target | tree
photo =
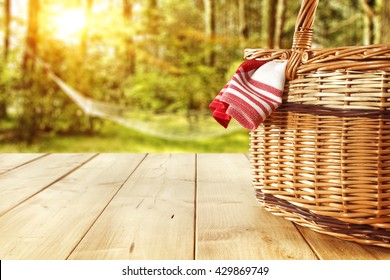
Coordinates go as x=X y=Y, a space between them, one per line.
x=369 y=8
x=28 y=120
x=84 y=37
x=385 y=22
x=32 y=35
x=7 y=27
x=281 y=19
x=152 y=26
x=210 y=30
x=7 y=34
x=129 y=43
x=243 y=23
x=272 y=8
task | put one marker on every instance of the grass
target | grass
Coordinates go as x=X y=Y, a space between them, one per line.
x=119 y=139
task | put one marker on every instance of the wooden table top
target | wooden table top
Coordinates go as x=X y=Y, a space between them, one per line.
x=148 y=206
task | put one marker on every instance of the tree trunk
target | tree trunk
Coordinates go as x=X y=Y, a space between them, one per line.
x=210 y=31
x=152 y=15
x=129 y=43
x=272 y=5
x=28 y=121
x=370 y=23
x=255 y=20
x=84 y=36
x=282 y=4
x=243 y=23
x=32 y=36
x=7 y=27
x=385 y=22
x=89 y=121
x=7 y=34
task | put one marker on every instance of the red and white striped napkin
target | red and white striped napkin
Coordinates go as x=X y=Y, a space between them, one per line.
x=252 y=94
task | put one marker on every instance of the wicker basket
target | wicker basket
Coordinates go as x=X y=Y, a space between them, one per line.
x=322 y=159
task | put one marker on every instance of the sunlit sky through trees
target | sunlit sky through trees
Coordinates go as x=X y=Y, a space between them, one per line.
x=69 y=23
x=66 y=20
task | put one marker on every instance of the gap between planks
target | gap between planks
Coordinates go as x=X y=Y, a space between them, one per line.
x=239 y=231
x=51 y=223
x=22 y=183
x=151 y=216
x=11 y=161
x=106 y=207
x=230 y=222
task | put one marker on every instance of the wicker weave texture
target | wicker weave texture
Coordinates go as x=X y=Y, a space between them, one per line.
x=322 y=159
x=334 y=166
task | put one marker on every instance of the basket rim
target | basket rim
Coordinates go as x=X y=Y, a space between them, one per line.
x=342 y=52
x=349 y=58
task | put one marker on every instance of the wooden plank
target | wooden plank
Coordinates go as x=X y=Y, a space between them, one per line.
x=230 y=222
x=22 y=183
x=52 y=223
x=9 y=161
x=331 y=248
x=151 y=217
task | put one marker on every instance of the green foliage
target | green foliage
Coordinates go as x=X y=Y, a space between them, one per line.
x=154 y=92
x=345 y=25
x=168 y=46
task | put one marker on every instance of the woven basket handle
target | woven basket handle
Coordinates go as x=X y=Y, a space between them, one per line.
x=302 y=36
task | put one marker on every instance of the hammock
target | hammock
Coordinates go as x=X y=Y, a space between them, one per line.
x=155 y=125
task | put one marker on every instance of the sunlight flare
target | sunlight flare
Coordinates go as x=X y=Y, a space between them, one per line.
x=69 y=23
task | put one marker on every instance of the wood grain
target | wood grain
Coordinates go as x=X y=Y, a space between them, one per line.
x=151 y=217
x=9 y=161
x=331 y=248
x=22 y=183
x=52 y=223
x=157 y=206
x=230 y=223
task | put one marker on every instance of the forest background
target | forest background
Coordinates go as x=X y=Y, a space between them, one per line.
x=143 y=72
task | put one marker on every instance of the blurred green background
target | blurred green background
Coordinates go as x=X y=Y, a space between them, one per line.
x=139 y=74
